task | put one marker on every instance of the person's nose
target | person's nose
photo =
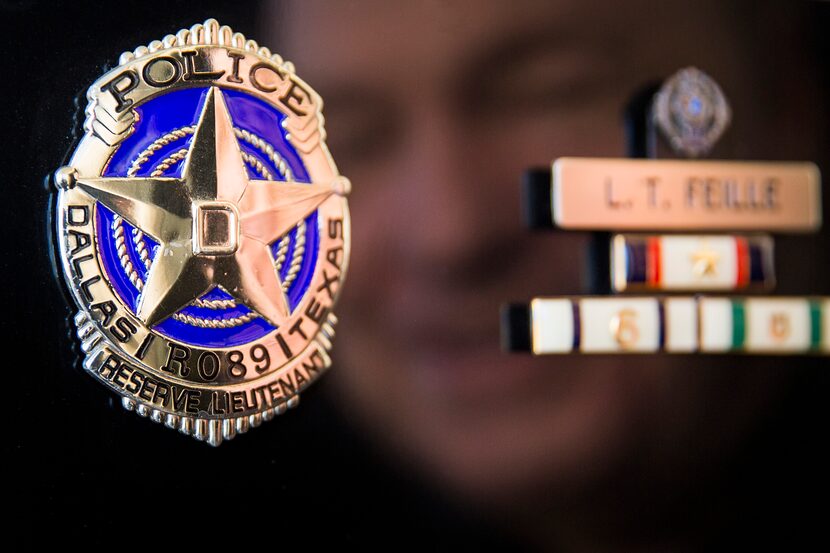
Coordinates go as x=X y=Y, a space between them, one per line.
x=458 y=221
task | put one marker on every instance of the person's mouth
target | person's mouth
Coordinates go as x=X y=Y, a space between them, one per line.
x=459 y=357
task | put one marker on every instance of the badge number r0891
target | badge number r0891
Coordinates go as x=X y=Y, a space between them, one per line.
x=204 y=233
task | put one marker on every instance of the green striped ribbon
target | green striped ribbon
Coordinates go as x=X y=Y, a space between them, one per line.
x=815 y=325
x=738 y=324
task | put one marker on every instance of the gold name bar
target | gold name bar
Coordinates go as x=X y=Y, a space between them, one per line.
x=676 y=195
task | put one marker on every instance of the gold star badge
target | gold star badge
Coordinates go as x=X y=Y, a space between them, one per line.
x=214 y=225
x=201 y=332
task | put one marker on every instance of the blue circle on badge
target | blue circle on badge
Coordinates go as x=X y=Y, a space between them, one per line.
x=162 y=135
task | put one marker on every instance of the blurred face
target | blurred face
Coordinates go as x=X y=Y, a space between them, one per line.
x=434 y=110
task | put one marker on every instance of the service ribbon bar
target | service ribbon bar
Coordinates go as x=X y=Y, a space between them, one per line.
x=676 y=195
x=691 y=262
x=753 y=325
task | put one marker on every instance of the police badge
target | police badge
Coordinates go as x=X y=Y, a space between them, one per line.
x=691 y=111
x=204 y=233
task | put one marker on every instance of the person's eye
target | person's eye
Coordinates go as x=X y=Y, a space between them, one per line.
x=360 y=133
x=358 y=138
x=544 y=81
